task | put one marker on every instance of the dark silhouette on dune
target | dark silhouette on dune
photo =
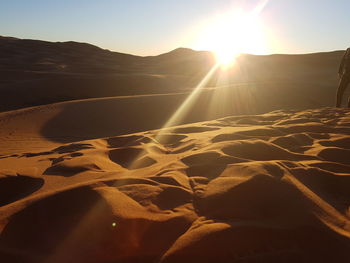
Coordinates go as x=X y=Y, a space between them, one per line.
x=344 y=74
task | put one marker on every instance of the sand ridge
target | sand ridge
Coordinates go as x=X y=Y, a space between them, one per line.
x=252 y=188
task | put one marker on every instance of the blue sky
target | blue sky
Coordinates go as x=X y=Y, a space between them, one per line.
x=152 y=27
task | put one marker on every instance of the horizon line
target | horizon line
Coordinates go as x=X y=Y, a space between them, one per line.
x=172 y=50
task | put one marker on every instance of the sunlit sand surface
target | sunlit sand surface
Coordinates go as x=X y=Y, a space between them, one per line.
x=250 y=188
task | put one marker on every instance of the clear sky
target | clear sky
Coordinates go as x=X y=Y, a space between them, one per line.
x=152 y=27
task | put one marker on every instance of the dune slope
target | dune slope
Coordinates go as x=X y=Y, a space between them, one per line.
x=252 y=188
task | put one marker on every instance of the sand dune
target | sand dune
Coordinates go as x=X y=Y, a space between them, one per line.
x=88 y=176
x=37 y=72
x=34 y=128
x=251 y=188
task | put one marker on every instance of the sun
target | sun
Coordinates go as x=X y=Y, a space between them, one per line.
x=231 y=34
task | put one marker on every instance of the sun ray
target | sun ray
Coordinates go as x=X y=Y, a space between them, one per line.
x=228 y=36
x=185 y=106
x=180 y=113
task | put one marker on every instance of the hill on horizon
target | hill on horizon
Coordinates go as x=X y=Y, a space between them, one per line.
x=35 y=72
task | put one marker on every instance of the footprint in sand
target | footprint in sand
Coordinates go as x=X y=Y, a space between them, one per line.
x=14 y=187
x=259 y=150
x=170 y=139
x=209 y=164
x=71 y=166
x=194 y=129
x=334 y=154
x=74 y=147
x=123 y=141
x=131 y=158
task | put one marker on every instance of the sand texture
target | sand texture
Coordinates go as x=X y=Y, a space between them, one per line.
x=252 y=188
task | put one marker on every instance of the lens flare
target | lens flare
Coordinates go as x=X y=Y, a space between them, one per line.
x=233 y=33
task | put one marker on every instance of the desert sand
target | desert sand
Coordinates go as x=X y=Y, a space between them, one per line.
x=272 y=187
x=252 y=165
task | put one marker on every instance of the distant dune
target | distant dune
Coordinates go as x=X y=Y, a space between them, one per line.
x=39 y=72
x=251 y=188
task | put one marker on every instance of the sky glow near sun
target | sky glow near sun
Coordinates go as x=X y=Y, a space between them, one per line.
x=233 y=33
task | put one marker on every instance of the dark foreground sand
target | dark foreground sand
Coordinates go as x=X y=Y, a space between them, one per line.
x=257 y=188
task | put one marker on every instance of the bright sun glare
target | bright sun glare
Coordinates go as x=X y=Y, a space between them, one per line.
x=232 y=34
